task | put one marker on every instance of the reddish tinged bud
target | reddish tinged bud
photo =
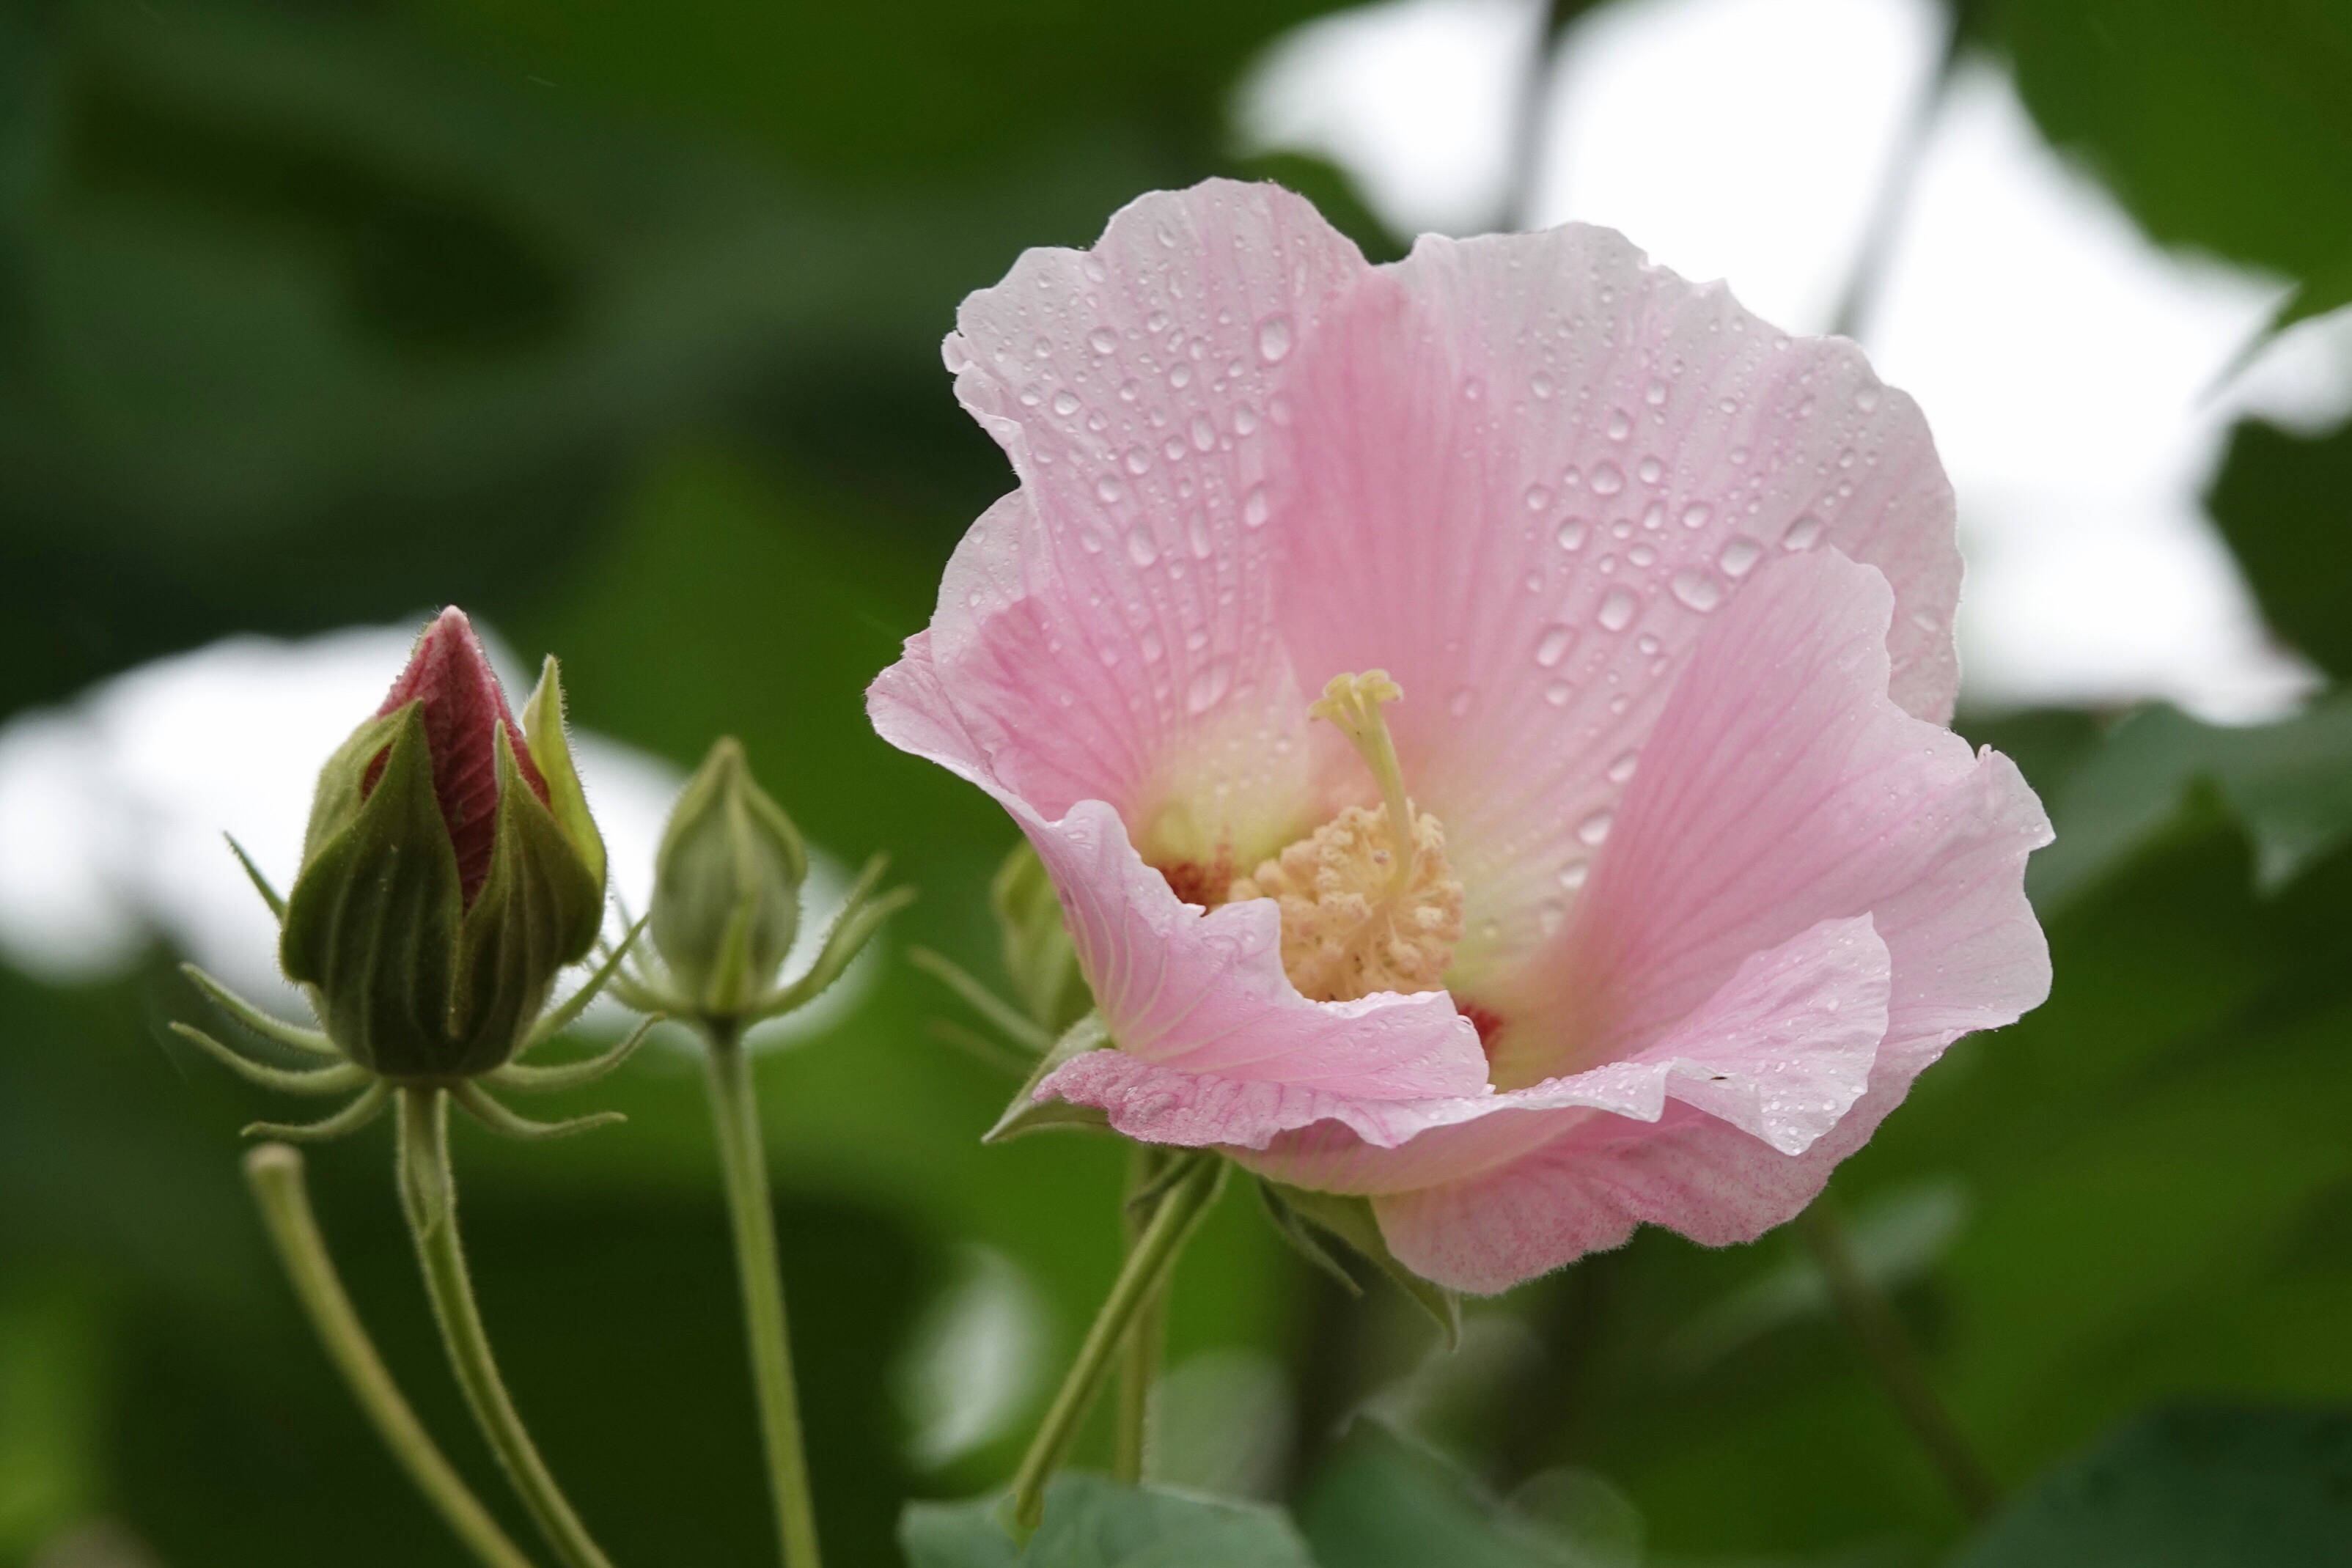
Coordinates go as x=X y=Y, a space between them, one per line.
x=464 y=710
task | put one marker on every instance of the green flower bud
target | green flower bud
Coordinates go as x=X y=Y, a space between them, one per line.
x=727 y=887
x=447 y=874
x=1037 y=950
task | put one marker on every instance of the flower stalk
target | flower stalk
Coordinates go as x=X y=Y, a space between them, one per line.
x=743 y=1167
x=274 y=1171
x=1147 y=1343
x=428 y=1198
x=1187 y=1190
x=1871 y=1319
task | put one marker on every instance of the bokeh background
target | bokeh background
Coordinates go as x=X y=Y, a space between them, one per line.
x=617 y=323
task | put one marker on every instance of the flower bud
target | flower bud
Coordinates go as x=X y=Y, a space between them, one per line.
x=727 y=887
x=449 y=871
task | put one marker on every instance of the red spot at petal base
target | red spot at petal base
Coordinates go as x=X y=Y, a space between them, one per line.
x=1486 y=1020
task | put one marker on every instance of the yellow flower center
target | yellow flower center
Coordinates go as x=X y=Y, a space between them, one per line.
x=1368 y=902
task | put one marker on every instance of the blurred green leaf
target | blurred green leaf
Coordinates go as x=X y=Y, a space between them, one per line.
x=2280 y=500
x=2224 y=125
x=53 y=1376
x=2289 y=784
x=1092 y=1522
x=2213 y=1488
x=1383 y=1501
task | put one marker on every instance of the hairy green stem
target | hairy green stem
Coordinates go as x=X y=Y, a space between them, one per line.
x=1138 y=1365
x=1141 y=1278
x=744 y=1168
x=1871 y=1319
x=274 y=1171
x=429 y=1200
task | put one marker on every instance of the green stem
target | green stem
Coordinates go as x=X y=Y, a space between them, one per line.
x=275 y=1173
x=1871 y=1319
x=744 y=1168
x=428 y=1198
x=1138 y=1365
x=1140 y=1278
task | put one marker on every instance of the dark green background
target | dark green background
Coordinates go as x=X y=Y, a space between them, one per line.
x=618 y=323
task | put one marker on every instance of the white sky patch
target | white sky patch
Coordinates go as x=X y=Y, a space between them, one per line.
x=1417 y=98
x=1745 y=140
x=112 y=812
x=2066 y=364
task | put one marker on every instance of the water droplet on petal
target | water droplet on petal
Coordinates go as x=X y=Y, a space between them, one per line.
x=1181 y=377
x=1244 y=421
x=1571 y=533
x=1104 y=341
x=1255 y=508
x=1149 y=644
x=1558 y=693
x=1156 y=322
x=1651 y=470
x=1208 y=686
x=1739 y=556
x=1139 y=460
x=1540 y=385
x=1697 y=589
x=1204 y=432
x=1572 y=875
x=1595 y=828
x=1108 y=489
x=1617 y=610
x=1274 y=338
x=1608 y=479
x=1196 y=534
x=1865 y=397
x=1803 y=534
x=1460 y=703
x=1621 y=424
x=1696 y=514
x=1538 y=498
x=1550 y=915
x=1142 y=548
x=1622 y=768
x=1065 y=402
x=1657 y=395
x=1554 y=644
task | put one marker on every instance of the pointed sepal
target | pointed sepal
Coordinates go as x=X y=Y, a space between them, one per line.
x=1026 y=1114
x=1351 y=1220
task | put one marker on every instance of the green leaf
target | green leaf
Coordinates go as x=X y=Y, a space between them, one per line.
x=2209 y=1488
x=2289 y=785
x=2222 y=125
x=1385 y=1501
x=1353 y=1221
x=2279 y=500
x=1093 y=1522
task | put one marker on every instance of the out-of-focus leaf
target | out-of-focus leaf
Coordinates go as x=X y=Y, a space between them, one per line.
x=2213 y=1488
x=2288 y=784
x=1382 y=1501
x=2285 y=503
x=1092 y=1522
x=2222 y=125
x=52 y=1350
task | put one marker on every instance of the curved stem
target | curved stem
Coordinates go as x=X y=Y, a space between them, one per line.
x=743 y=1166
x=1871 y=1321
x=429 y=1198
x=1138 y=1365
x=275 y=1173
x=1140 y=1278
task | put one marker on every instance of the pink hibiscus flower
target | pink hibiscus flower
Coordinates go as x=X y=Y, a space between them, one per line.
x=1633 y=876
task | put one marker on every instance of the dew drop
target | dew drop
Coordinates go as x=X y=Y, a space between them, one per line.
x=1142 y=548
x=1065 y=402
x=1149 y=644
x=1738 y=557
x=1697 y=515
x=1595 y=828
x=1572 y=875
x=1108 y=489
x=1181 y=377
x=1550 y=915
x=1103 y=339
x=1538 y=498
x=1244 y=421
x=1616 y=610
x=1803 y=534
x=1030 y=397
x=1554 y=644
x=1621 y=424
x=1255 y=508
x=1460 y=703
x=1622 y=768
x=1274 y=338
x=1657 y=395
x=1571 y=533
x=1558 y=693
x=1156 y=322
x=1540 y=385
x=1697 y=589
x=1208 y=686
x=1653 y=516
x=1196 y=534
x=1865 y=397
x=1641 y=555
x=1196 y=639
x=1204 y=432
x=1608 y=479
x=1651 y=470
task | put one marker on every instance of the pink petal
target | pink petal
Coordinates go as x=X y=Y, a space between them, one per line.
x=1781 y=1054
x=1781 y=787
x=1181 y=990
x=1108 y=626
x=1527 y=472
